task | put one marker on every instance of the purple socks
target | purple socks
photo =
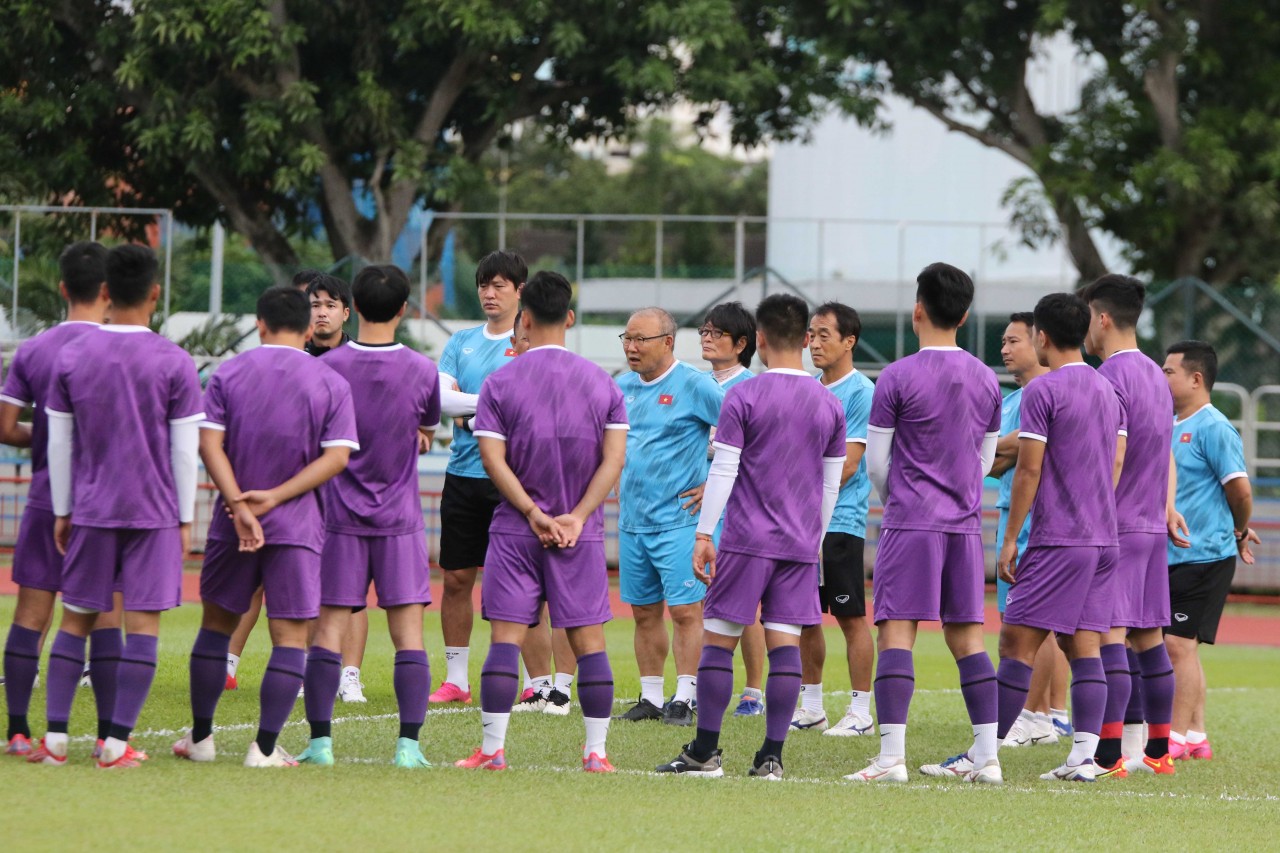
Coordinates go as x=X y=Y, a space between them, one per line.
x=21 y=662
x=715 y=689
x=137 y=671
x=323 y=674
x=595 y=685
x=500 y=679
x=1088 y=695
x=894 y=685
x=412 y=682
x=1157 y=698
x=781 y=691
x=66 y=662
x=278 y=694
x=1133 y=712
x=1014 y=682
x=208 y=669
x=978 y=686
x=106 y=645
x=1115 y=665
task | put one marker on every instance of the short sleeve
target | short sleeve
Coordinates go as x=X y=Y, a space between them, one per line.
x=17 y=388
x=59 y=398
x=885 y=402
x=839 y=433
x=1122 y=407
x=340 y=420
x=185 y=403
x=1037 y=412
x=215 y=404
x=617 y=417
x=857 y=413
x=489 y=420
x=1224 y=452
x=709 y=397
x=993 y=425
x=449 y=358
x=731 y=428
x=430 y=414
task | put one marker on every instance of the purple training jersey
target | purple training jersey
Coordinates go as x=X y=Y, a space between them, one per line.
x=279 y=408
x=28 y=385
x=552 y=408
x=1148 y=416
x=1077 y=414
x=395 y=391
x=124 y=385
x=784 y=424
x=940 y=404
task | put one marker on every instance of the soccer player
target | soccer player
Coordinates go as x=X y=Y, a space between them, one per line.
x=936 y=416
x=780 y=448
x=278 y=424
x=469 y=496
x=373 y=515
x=330 y=309
x=1141 y=589
x=552 y=432
x=37 y=565
x=671 y=406
x=833 y=335
x=1216 y=499
x=124 y=408
x=1071 y=451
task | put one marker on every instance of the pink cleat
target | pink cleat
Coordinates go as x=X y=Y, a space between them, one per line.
x=450 y=692
x=42 y=755
x=1178 y=751
x=480 y=761
x=596 y=763
x=128 y=758
x=19 y=745
x=1200 y=750
x=528 y=694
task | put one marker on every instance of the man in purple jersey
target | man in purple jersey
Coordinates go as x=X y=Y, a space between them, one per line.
x=1142 y=524
x=936 y=416
x=37 y=565
x=373 y=515
x=1072 y=447
x=552 y=431
x=780 y=449
x=124 y=407
x=277 y=425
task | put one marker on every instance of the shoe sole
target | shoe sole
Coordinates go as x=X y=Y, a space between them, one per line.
x=698 y=774
x=667 y=722
x=556 y=710
x=812 y=727
x=835 y=732
x=887 y=778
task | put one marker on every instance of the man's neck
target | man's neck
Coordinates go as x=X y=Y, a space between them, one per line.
x=835 y=372
x=546 y=336
x=786 y=359
x=376 y=333
x=932 y=336
x=1119 y=342
x=502 y=324
x=284 y=339
x=94 y=313
x=660 y=369
x=1191 y=406
x=136 y=316
x=723 y=363
x=1063 y=357
x=327 y=342
x=1023 y=377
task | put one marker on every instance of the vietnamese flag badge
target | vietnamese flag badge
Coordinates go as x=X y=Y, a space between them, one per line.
x=1186 y=438
x=510 y=353
x=665 y=400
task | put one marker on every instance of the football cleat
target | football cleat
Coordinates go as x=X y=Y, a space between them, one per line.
x=319 y=753
x=277 y=758
x=1071 y=773
x=642 y=710
x=596 y=763
x=770 y=767
x=678 y=713
x=42 y=755
x=191 y=750
x=409 y=754
x=1201 y=750
x=450 y=692
x=478 y=760
x=809 y=721
x=684 y=764
x=18 y=745
x=351 y=689
x=957 y=765
x=1162 y=766
x=1115 y=771
x=749 y=706
x=852 y=724
x=531 y=700
x=231 y=683
x=875 y=772
x=558 y=703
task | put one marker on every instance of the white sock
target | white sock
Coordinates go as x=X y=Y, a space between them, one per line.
x=495 y=731
x=1179 y=739
x=893 y=743
x=1194 y=738
x=542 y=685
x=233 y=663
x=652 y=688
x=56 y=743
x=1133 y=741
x=811 y=697
x=564 y=681
x=754 y=693
x=597 y=732
x=860 y=703
x=1029 y=716
x=984 y=744
x=528 y=682
x=112 y=749
x=1061 y=715
x=351 y=673
x=456 y=661
x=1083 y=746
x=686 y=688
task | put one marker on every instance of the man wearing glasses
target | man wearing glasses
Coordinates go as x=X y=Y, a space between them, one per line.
x=671 y=407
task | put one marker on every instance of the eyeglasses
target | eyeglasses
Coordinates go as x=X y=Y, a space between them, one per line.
x=637 y=339
x=711 y=332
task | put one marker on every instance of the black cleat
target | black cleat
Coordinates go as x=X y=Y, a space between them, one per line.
x=642 y=710
x=685 y=764
x=678 y=713
x=770 y=767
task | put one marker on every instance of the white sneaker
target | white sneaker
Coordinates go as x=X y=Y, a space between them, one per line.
x=1019 y=733
x=277 y=758
x=195 y=750
x=957 y=765
x=1071 y=773
x=804 y=720
x=896 y=772
x=350 y=689
x=852 y=724
x=987 y=774
x=1041 y=730
x=86 y=679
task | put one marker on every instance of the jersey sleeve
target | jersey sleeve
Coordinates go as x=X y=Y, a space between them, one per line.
x=884 y=403
x=430 y=414
x=185 y=402
x=731 y=428
x=1037 y=412
x=617 y=416
x=993 y=425
x=17 y=387
x=59 y=397
x=839 y=432
x=1224 y=452
x=490 y=421
x=1122 y=406
x=340 y=420
x=857 y=414
x=708 y=398
x=215 y=404
x=449 y=358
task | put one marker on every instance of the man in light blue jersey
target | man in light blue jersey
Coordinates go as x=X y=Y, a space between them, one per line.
x=671 y=407
x=833 y=335
x=469 y=497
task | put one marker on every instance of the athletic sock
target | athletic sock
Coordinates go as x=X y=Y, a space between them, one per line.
x=715 y=689
x=753 y=693
x=686 y=688
x=456 y=661
x=860 y=702
x=770 y=747
x=495 y=731
x=1195 y=738
x=1115 y=665
x=810 y=697
x=137 y=672
x=542 y=685
x=1157 y=698
x=894 y=685
x=1088 y=702
x=66 y=661
x=322 y=674
x=564 y=682
x=499 y=686
x=653 y=689
x=208 y=678
x=1175 y=738
x=105 y=648
x=233 y=664
x=21 y=662
x=781 y=690
x=412 y=682
x=595 y=695
x=597 y=736
x=524 y=673
x=278 y=694
x=1061 y=715
x=981 y=699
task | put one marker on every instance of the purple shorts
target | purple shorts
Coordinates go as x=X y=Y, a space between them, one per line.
x=36 y=561
x=1142 y=581
x=928 y=576
x=145 y=566
x=288 y=574
x=398 y=567
x=783 y=591
x=1064 y=589
x=519 y=574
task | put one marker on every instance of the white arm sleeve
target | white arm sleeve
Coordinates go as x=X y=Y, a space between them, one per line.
x=879 y=446
x=989 y=451
x=832 y=469
x=456 y=404
x=61 y=428
x=184 y=451
x=720 y=479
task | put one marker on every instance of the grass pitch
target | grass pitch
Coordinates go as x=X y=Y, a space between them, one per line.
x=545 y=802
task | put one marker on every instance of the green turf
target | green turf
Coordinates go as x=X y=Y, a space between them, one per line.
x=545 y=802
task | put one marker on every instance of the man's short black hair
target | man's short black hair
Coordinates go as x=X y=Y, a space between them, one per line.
x=83 y=267
x=332 y=285
x=848 y=323
x=946 y=294
x=302 y=278
x=131 y=273
x=1026 y=318
x=284 y=308
x=380 y=291
x=1197 y=357
x=547 y=296
x=783 y=319
x=1064 y=318
x=736 y=322
x=508 y=265
x=1119 y=296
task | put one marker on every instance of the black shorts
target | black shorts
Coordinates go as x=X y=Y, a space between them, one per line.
x=466 y=510
x=1197 y=594
x=844 y=579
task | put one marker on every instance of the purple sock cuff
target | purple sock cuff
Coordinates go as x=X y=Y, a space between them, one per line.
x=211 y=643
x=1088 y=669
x=1114 y=656
x=141 y=647
x=106 y=639
x=785 y=659
x=975 y=667
x=895 y=662
x=1154 y=661
x=412 y=656
x=715 y=656
x=291 y=661
x=321 y=653
x=22 y=639
x=65 y=644
x=506 y=655
x=1014 y=673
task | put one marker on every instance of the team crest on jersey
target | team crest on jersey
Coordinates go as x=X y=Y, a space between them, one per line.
x=1185 y=438
x=666 y=400
x=631 y=399
x=510 y=353
x=467 y=350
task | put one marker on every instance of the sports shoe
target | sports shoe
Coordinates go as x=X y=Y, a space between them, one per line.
x=1031 y=729
x=1179 y=751
x=557 y=703
x=479 y=761
x=409 y=755
x=596 y=763
x=1071 y=773
x=1115 y=771
x=319 y=753
x=42 y=755
x=712 y=767
x=128 y=759
x=957 y=765
x=528 y=692
x=642 y=710
x=1141 y=765
x=1018 y=734
x=1062 y=727
x=351 y=690
x=138 y=754
x=191 y=750
x=450 y=692
x=86 y=678
x=1201 y=750
x=277 y=758
x=749 y=706
x=852 y=724
x=678 y=713
x=988 y=774
x=231 y=683
x=805 y=720
x=874 y=772
x=531 y=700
x=18 y=745
x=770 y=767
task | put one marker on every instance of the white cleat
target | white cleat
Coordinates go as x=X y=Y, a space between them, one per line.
x=852 y=724
x=987 y=774
x=191 y=750
x=1071 y=773
x=1019 y=733
x=350 y=689
x=809 y=721
x=277 y=758
x=874 y=772
x=957 y=765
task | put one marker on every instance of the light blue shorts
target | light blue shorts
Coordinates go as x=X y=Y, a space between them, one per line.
x=1002 y=588
x=657 y=567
